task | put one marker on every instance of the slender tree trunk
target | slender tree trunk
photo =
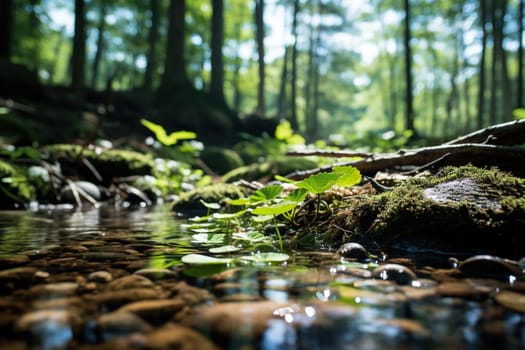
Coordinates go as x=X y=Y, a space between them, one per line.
x=494 y=88
x=281 y=103
x=259 y=24
x=217 y=40
x=100 y=44
x=481 y=89
x=505 y=100
x=409 y=108
x=520 y=92
x=153 y=37
x=6 y=19
x=293 y=98
x=175 y=75
x=79 y=49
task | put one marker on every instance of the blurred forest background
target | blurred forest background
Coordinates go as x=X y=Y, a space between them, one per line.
x=335 y=69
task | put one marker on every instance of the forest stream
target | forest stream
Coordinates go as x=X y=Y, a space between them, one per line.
x=112 y=278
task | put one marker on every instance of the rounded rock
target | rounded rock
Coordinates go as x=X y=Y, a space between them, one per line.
x=352 y=250
x=100 y=276
x=400 y=274
x=489 y=266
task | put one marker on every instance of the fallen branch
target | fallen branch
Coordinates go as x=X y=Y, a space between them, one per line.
x=331 y=154
x=510 y=133
x=508 y=158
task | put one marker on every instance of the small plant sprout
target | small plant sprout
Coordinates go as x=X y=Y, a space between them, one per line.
x=162 y=136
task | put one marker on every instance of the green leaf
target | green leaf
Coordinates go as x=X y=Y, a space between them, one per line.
x=266 y=193
x=216 y=238
x=318 y=183
x=267 y=257
x=519 y=113
x=213 y=206
x=199 y=259
x=224 y=249
x=262 y=218
x=163 y=137
x=297 y=195
x=227 y=216
x=252 y=237
x=350 y=176
x=276 y=209
x=283 y=131
x=284 y=179
x=239 y=201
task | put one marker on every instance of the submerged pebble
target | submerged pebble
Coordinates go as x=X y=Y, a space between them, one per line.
x=400 y=274
x=488 y=266
x=352 y=250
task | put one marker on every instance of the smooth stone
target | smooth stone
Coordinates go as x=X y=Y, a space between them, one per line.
x=463 y=289
x=117 y=298
x=131 y=281
x=352 y=250
x=55 y=290
x=154 y=311
x=191 y=295
x=235 y=323
x=462 y=190
x=178 y=337
x=13 y=260
x=156 y=274
x=54 y=328
x=89 y=188
x=489 y=266
x=400 y=274
x=511 y=300
x=121 y=323
x=18 y=274
x=100 y=276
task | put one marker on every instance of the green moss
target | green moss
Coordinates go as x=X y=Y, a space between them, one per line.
x=221 y=160
x=109 y=163
x=189 y=202
x=15 y=190
x=405 y=217
x=266 y=170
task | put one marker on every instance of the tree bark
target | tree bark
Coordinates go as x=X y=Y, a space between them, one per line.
x=520 y=92
x=281 y=102
x=100 y=44
x=409 y=108
x=153 y=37
x=5 y=28
x=79 y=49
x=175 y=75
x=217 y=63
x=293 y=98
x=481 y=89
x=259 y=24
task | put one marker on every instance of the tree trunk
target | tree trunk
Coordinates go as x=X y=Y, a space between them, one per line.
x=520 y=92
x=100 y=44
x=293 y=98
x=6 y=18
x=217 y=40
x=175 y=75
x=481 y=89
x=281 y=102
x=259 y=24
x=153 y=37
x=409 y=108
x=79 y=49
x=505 y=91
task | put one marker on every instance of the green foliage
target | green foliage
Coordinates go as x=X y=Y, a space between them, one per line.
x=519 y=113
x=285 y=133
x=163 y=137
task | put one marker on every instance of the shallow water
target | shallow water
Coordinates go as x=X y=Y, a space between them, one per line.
x=65 y=275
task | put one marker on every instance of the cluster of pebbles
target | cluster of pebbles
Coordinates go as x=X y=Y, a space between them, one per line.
x=102 y=293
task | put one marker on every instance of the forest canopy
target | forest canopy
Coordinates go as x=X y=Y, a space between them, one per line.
x=335 y=69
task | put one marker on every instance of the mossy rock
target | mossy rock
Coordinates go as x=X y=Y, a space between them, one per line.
x=189 y=203
x=266 y=170
x=465 y=209
x=109 y=163
x=221 y=160
x=15 y=189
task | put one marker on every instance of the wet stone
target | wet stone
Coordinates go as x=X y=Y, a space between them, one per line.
x=13 y=260
x=511 y=300
x=353 y=251
x=115 y=299
x=100 y=277
x=54 y=328
x=154 y=311
x=131 y=281
x=174 y=336
x=55 y=290
x=121 y=323
x=490 y=266
x=24 y=274
x=400 y=274
x=156 y=274
x=463 y=289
